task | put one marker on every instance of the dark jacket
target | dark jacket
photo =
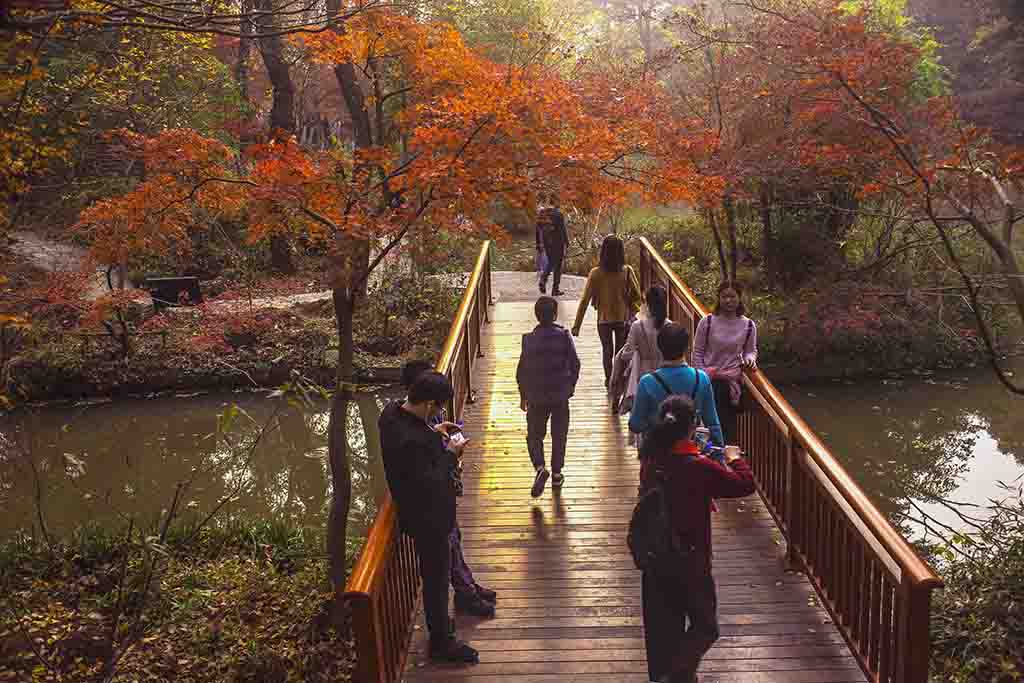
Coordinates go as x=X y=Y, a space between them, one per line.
x=553 y=239
x=693 y=482
x=419 y=472
x=548 y=365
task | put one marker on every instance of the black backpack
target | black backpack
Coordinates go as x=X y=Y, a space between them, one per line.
x=655 y=545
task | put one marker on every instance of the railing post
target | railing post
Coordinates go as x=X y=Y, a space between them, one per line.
x=370 y=653
x=914 y=634
x=790 y=506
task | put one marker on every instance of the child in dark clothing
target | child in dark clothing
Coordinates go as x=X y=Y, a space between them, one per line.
x=692 y=482
x=547 y=374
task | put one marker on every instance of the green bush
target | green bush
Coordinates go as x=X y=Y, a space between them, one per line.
x=978 y=618
x=408 y=314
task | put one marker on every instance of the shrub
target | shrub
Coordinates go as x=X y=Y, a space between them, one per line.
x=978 y=618
x=406 y=314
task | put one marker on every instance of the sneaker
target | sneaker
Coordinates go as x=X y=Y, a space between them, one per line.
x=454 y=650
x=474 y=605
x=539 y=481
x=485 y=593
x=557 y=479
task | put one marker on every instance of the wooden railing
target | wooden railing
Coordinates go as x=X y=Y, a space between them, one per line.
x=875 y=587
x=383 y=591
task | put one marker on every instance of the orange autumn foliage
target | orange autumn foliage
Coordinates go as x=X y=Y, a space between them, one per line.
x=456 y=132
x=158 y=214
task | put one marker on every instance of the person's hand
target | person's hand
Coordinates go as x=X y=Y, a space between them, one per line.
x=575 y=331
x=732 y=453
x=457 y=443
x=522 y=404
x=448 y=428
x=750 y=362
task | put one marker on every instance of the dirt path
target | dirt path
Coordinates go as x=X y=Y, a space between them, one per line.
x=51 y=256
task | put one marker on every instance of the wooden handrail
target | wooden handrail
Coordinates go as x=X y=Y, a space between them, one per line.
x=893 y=541
x=450 y=348
x=880 y=602
x=382 y=591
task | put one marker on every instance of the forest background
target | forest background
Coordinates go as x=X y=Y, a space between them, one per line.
x=861 y=177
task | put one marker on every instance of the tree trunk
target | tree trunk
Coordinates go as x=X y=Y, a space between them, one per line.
x=244 y=48
x=355 y=102
x=730 y=227
x=767 y=235
x=338 y=454
x=712 y=220
x=282 y=112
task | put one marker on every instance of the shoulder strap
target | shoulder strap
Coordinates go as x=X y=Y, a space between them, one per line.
x=668 y=389
x=662 y=382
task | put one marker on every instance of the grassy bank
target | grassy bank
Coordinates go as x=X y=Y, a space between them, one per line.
x=243 y=602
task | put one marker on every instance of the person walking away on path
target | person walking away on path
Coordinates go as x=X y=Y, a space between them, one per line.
x=640 y=354
x=674 y=377
x=420 y=474
x=672 y=597
x=615 y=292
x=470 y=597
x=547 y=374
x=726 y=342
x=552 y=242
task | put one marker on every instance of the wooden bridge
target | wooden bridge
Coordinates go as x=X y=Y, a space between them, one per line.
x=814 y=584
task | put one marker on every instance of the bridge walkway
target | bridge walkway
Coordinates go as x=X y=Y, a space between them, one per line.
x=569 y=595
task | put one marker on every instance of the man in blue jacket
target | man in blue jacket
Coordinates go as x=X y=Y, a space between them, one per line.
x=674 y=377
x=547 y=374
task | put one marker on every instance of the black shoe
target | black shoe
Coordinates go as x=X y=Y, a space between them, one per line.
x=557 y=292
x=454 y=650
x=539 y=481
x=557 y=480
x=543 y=287
x=474 y=605
x=485 y=593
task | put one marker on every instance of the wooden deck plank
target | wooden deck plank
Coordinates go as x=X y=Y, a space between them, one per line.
x=569 y=595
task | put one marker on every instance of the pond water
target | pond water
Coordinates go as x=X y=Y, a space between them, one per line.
x=954 y=434
x=957 y=435
x=109 y=461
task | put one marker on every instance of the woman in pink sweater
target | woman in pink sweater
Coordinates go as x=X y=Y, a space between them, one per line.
x=724 y=343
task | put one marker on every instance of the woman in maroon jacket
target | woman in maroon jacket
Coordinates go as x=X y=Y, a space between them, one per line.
x=693 y=482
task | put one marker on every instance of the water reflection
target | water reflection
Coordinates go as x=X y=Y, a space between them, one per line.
x=954 y=435
x=97 y=463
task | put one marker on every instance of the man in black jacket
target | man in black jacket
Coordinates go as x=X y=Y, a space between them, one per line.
x=553 y=240
x=420 y=473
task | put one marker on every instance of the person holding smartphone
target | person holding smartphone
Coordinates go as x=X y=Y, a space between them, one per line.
x=680 y=602
x=470 y=597
x=419 y=469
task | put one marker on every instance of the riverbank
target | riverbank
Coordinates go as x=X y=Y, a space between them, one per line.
x=226 y=345
x=231 y=342
x=244 y=602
